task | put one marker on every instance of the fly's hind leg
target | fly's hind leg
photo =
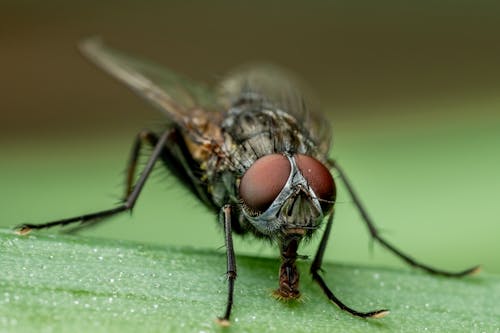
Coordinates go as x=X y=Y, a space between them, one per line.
x=132 y=191
x=376 y=235
x=144 y=137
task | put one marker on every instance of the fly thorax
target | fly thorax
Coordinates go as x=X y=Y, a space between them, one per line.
x=255 y=129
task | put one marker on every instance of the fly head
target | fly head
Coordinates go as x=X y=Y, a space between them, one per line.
x=287 y=195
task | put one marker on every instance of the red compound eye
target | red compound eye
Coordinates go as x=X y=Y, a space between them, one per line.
x=319 y=179
x=263 y=181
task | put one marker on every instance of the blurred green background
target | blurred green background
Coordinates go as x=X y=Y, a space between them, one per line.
x=412 y=90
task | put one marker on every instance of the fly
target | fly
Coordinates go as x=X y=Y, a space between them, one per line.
x=254 y=150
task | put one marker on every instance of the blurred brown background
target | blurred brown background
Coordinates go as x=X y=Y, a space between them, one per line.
x=359 y=56
x=411 y=88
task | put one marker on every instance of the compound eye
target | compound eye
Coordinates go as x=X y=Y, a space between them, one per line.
x=263 y=181
x=319 y=179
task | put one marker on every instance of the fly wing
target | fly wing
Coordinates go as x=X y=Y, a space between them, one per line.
x=173 y=94
x=284 y=91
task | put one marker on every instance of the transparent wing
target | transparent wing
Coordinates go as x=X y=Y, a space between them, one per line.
x=173 y=94
x=284 y=91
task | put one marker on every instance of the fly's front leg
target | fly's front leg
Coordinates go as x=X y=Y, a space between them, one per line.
x=127 y=204
x=316 y=268
x=225 y=219
x=375 y=234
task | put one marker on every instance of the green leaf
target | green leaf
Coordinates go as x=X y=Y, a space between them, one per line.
x=62 y=283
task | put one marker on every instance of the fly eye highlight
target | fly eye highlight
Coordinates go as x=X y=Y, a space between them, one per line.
x=319 y=179
x=263 y=181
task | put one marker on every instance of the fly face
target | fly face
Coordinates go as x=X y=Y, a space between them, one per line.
x=286 y=194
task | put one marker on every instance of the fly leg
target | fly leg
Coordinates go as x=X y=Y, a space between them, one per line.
x=375 y=234
x=133 y=192
x=144 y=137
x=316 y=268
x=225 y=219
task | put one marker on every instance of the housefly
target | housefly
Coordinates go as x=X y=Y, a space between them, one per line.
x=255 y=150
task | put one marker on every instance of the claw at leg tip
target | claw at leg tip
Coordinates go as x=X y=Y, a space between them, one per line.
x=223 y=322
x=475 y=270
x=23 y=230
x=380 y=314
